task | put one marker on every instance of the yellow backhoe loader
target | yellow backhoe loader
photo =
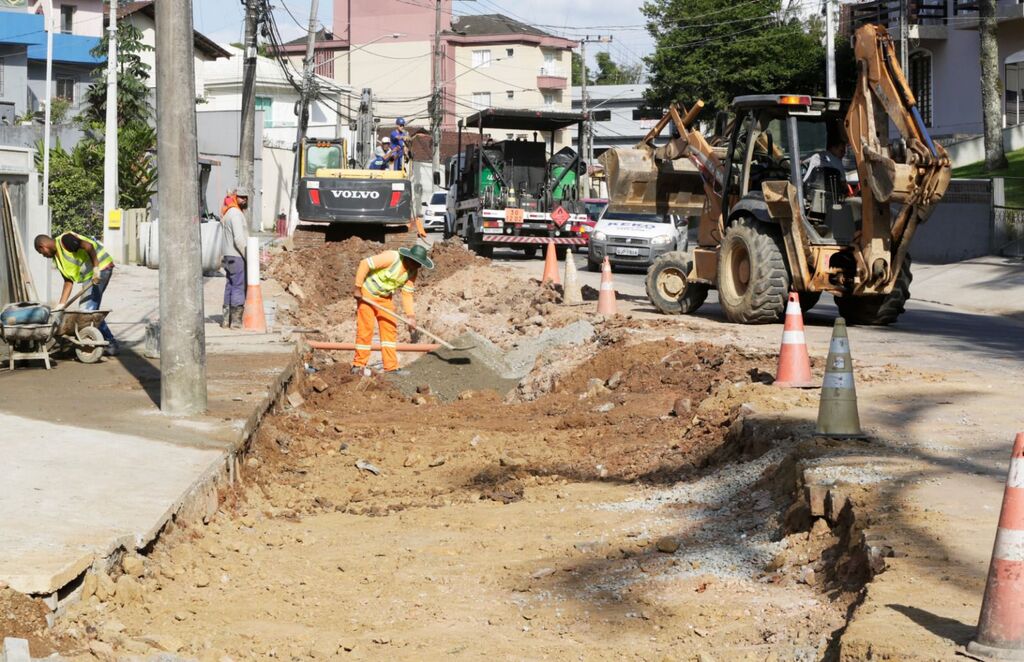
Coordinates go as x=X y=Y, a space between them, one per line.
x=776 y=213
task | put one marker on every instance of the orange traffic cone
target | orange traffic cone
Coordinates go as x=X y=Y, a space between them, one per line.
x=1000 y=634
x=794 y=364
x=550 y=267
x=606 y=299
x=254 y=319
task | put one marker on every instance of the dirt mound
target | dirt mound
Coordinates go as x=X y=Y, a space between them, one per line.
x=22 y=617
x=449 y=258
x=321 y=275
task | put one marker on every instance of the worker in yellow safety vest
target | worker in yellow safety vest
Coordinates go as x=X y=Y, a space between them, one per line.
x=81 y=259
x=377 y=279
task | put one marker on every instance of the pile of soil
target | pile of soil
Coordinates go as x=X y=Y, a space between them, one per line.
x=22 y=617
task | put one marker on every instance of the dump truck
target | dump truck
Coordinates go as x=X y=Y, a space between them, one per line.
x=768 y=225
x=519 y=192
x=350 y=201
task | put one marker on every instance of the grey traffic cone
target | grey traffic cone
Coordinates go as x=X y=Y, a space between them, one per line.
x=837 y=408
x=571 y=294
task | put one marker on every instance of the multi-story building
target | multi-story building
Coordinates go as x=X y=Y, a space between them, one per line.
x=627 y=122
x=944 y=69
x=77 y=26
x=487 y=60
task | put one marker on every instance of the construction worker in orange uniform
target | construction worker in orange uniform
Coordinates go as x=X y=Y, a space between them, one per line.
x=377 y=279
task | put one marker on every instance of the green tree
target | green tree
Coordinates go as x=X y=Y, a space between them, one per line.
x=610 y=72
x=718 y=49
x=76 y=177
x=577 y=71
x=132 y=75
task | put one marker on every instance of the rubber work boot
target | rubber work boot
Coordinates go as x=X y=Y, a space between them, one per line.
x=236 y=316
x=225 y=317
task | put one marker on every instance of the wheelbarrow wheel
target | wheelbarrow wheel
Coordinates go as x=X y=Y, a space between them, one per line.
x=94 y=354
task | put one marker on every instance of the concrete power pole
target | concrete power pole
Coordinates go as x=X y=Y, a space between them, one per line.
x=111 y=237
x=587 y=149
x=246 y=148
x=366 y=137
x=182 y=338
x=830 y=53
x=304 y=99
x=904 y=37
x=436 y=106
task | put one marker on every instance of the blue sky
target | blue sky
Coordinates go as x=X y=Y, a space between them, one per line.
x=221 y=20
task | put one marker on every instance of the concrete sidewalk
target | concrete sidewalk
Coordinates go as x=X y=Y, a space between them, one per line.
x=92 y=464
x=987 y=285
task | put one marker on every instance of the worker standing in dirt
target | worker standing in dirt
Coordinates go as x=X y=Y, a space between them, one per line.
x=81 y=259
x=377 y=279
x=236 y=237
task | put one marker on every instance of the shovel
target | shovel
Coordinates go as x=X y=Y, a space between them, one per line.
x=75 y=298
x=444 y=343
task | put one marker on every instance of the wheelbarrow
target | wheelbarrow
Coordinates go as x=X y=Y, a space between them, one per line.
x=62 y=330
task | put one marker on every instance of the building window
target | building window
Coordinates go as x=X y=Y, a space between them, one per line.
x=67 y=18
x=323 y=63
x=509 y=52
x=550 y=99
x=510 y=94
x=481 y=59
x=481 y=100
x=266 y=104
x=921 y=83
x=66 y=89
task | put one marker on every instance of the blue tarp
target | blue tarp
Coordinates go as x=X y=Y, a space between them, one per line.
x=27 y=29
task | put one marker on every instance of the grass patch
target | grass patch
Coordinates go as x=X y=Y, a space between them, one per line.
x=1014 y=176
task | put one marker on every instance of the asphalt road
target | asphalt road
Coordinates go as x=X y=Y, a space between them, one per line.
x=931 y=334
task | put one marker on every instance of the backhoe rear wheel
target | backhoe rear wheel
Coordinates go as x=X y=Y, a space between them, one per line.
x=752 y=276
x=667 y=287
x=882 y=309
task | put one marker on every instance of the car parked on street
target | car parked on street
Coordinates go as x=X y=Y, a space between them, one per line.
x=635 y=240
x=435 y=211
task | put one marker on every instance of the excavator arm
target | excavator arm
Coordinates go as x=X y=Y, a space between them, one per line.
x=913 y=172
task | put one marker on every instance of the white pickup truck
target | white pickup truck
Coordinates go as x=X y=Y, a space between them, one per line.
x=635 y=240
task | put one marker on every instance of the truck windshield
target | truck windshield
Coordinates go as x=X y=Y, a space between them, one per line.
x=318 y=157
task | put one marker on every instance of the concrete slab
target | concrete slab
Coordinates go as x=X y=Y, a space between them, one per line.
x=72 y=494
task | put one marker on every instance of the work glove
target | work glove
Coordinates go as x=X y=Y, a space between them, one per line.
x=96 y=275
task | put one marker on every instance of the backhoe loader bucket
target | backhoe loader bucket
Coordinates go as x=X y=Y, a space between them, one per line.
x=638 y=184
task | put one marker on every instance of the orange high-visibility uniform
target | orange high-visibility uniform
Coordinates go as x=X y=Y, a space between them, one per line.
x=380 y=277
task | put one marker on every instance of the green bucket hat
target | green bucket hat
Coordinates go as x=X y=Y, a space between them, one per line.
x=418 y=254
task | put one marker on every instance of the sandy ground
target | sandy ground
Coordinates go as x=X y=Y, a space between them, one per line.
x=640 y=495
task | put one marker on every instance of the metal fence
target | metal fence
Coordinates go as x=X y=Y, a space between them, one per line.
x=1009 y=231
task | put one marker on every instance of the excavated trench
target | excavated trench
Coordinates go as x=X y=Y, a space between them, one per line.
x=638 y=502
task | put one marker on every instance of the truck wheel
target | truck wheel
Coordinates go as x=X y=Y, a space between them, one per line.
x=530 y=252
x=449 y=227
x=561 y=252
x=667 y=287
x=476 y=245
x=752 y=276
x=593 y=266
x=878 y=310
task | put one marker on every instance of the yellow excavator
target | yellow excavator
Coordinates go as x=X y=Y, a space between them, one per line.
x=776 y=211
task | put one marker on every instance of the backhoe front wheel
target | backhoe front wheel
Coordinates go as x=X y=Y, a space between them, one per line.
x=878 y=310
x=667 y=287
x=752 y=276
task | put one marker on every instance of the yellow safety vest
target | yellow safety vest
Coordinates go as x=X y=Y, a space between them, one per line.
x=77 y=266
x=385 y=282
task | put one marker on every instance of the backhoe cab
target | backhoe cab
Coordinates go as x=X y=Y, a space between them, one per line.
x=777 y=212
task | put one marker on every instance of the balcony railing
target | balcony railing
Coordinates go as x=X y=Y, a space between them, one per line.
x=887 y=12
x=554 y=70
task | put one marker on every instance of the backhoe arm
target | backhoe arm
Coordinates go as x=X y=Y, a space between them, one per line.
x=913 y=172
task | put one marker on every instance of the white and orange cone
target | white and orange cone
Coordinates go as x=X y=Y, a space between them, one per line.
x=606 y=304
x=1000 y=634
x=550 y=267
x=794 y=369
x=254 y=318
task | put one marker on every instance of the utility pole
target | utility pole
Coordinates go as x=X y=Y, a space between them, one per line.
x=587 y=149
x=366 y=137
x=436 y=106
x=48 y=17
x=830 y=52
x=246 y=149
x=182 y=338
x=111 y=238
x=304 y=98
